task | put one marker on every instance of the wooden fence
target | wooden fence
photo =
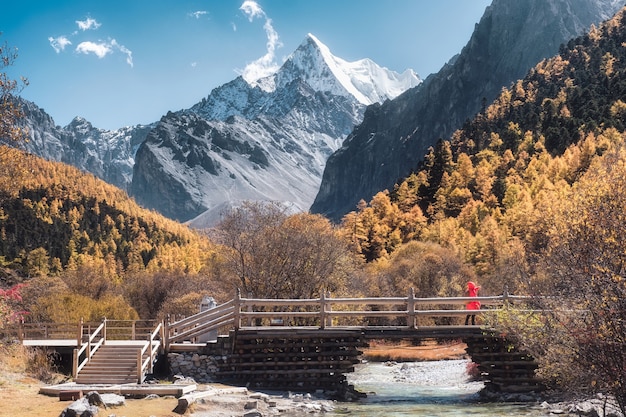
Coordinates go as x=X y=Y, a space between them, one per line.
x=327 y=312
x=116 y=330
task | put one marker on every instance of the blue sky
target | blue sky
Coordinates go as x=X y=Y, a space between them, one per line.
x=125 y=62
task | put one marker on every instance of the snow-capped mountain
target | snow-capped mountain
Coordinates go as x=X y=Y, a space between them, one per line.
x=108 y=154
x=314 y=64
x=268 y=140
x=362 y=79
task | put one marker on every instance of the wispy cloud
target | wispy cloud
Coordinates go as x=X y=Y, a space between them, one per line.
x=88 y=24
x=102 y=49
x=59 y=43
x=124 y=50
x=98 y=48
x=266 y=64
x=198 y=14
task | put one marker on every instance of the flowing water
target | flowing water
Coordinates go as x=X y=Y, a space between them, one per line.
x=429 y=389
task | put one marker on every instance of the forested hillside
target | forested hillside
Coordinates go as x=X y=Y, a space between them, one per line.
x=76 y=247
x=486 y=191
x=67 y=217
x=68 y=234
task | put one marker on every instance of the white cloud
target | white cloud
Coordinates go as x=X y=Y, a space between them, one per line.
x=87 y=24
x=194 y=64
x=102 y=49
x=59 y=43
x=266 y=64
x=124 y=50
x=252 y=9
x=198 y=14
x=234 y=26
x=99 y=49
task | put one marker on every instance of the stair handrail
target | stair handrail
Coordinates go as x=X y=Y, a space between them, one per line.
x=90 y=347
x=143 y=366
x=202 y=322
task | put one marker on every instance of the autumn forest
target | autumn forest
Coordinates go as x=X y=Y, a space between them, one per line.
x=527 y=196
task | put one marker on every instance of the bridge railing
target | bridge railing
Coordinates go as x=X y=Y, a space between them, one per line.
x=116 y=330
x=150 y=350
x=326 y=312
x=190 y=328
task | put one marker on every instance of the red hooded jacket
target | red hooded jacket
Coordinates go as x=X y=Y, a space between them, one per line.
x=472 y=290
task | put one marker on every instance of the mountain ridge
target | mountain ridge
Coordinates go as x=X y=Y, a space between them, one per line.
x=510 y=38
x=266 y=140
x=108 y=154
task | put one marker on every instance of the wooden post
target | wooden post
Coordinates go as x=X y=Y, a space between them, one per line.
x=411 y=309
x=250 y=309
x=104 y=331
x=150 y=340
x=75 y=364
x=237 y=309
x=165 y=331
x=79 y=335
x=323 y=310
x=21 y=332
x=329 y=309
x=139 y=364
x=133 y=331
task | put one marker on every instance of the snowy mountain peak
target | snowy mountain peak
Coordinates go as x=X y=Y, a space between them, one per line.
x=266 y=140
x=313 y=63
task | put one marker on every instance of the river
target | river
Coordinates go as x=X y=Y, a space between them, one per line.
x=429 y=389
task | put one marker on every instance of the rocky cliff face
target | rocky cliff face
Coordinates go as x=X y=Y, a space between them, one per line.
x=268 y=140
x=511 y=37
x=108 y=154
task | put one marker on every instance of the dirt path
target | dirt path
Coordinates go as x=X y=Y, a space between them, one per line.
x=19 y=396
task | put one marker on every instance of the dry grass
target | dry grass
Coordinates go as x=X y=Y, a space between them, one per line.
x=19 y=390
x=21 y=398
x=406 y=352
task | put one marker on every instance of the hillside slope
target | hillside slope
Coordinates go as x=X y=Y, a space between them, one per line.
x=393 y=137
x=54 y=217
x=488 y=192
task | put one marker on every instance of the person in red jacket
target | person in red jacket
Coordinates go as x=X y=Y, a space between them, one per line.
x=472 y=290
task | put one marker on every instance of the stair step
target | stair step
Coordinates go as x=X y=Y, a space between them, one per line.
x=108 y=371
x=112 y=364
x=111 y=381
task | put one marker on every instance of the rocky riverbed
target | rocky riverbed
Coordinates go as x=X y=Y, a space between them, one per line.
x=241 y=402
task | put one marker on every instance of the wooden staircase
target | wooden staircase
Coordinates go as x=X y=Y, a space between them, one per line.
x=125 y=360
x=112 y=364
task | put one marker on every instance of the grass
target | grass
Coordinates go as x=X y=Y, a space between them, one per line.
x=20 y=370
x=428 y=350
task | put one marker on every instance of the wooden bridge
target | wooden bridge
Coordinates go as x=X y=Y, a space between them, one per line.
x=304 y=344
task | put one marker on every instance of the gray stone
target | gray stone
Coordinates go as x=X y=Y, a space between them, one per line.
x=113 y=400
x=80 y=408
x=250 y=405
